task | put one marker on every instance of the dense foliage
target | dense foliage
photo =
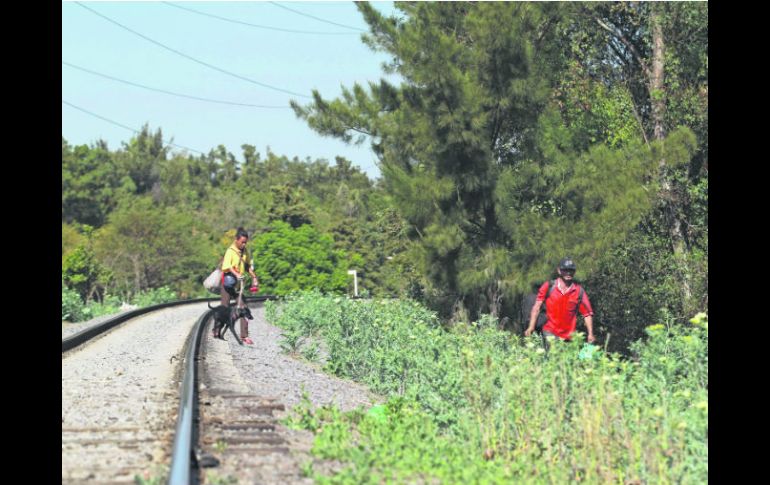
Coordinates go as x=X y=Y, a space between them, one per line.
x=522 y=150
x=473 y=404
x=291 y=259
x=135 y=219
x=524 y=132
x=512 y=134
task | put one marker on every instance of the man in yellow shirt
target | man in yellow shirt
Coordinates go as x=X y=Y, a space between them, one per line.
x=233 y=269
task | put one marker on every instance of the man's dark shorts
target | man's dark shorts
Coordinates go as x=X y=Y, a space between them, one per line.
x=229 y=284
x=548 y=337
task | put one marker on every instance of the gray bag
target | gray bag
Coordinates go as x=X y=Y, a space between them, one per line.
x=213 y=282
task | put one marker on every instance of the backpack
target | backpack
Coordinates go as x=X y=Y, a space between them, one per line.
x=542 y=318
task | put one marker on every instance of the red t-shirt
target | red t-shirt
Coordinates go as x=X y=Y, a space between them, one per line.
x=560 y=308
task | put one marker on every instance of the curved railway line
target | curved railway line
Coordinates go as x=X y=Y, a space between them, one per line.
x=125 y=407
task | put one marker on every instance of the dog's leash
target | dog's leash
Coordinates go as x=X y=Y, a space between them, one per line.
x=239 y=300
x=240 y=294
x=234 y=314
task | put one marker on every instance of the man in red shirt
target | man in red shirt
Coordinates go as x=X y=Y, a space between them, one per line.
x=562 y=306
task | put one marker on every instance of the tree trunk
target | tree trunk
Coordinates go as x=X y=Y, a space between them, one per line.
x=494 y=298
x=668 y=194
x=137 y=273
x=656 y=86
x=91 y=292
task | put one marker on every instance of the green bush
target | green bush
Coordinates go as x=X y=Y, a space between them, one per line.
x=639 y=282
x=475 y=404
x=81 y=271
x=395 y=347
x=71 y=304
x=110 y=305
x=154 y=297
x=73 y=309
x=288 y=259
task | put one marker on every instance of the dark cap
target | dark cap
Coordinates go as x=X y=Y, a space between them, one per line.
x=567 y=263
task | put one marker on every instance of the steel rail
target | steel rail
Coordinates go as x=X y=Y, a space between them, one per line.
x=183 y=460
x=87 y=334
x=182 y=455
x=184 y=464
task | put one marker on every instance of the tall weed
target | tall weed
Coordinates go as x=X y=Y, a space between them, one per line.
x=477 y=405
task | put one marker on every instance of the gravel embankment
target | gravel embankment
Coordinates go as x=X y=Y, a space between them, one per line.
x=269 y=372
x=119 y=398
x=248 y=390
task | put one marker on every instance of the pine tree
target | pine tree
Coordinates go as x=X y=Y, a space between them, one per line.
x=475 y=155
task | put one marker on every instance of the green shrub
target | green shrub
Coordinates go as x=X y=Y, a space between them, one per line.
x=154 y=297
x=71 y=304
x=110 y=305
x=288 y=259
x=73 y=309
x=477 y=405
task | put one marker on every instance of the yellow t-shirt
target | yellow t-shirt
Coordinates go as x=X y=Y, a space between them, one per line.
x=233 y=259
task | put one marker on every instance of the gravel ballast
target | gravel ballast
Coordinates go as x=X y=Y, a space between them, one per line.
x=253 y=386
x=270 y=372
x=120 y=395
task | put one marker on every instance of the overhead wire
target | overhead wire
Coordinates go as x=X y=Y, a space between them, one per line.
x=316 y=18
x=124 y=126
x=171 y=92
x=256 y=25
x=211 y=66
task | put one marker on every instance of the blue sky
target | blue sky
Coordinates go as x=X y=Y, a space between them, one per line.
x=295 y=62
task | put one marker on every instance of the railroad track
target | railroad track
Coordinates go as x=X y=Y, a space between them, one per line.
x=117 y=404
x=239 y=436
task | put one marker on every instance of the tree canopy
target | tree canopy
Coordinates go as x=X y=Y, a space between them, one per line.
x=510 y=135
x=497 y=176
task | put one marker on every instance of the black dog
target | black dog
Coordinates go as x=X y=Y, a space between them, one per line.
x=225 y=318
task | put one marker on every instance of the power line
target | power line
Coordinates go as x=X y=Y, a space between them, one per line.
x=190 y=57
x=171 y=92
x=256 y=25
x=316 y=18
x=124 y=126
